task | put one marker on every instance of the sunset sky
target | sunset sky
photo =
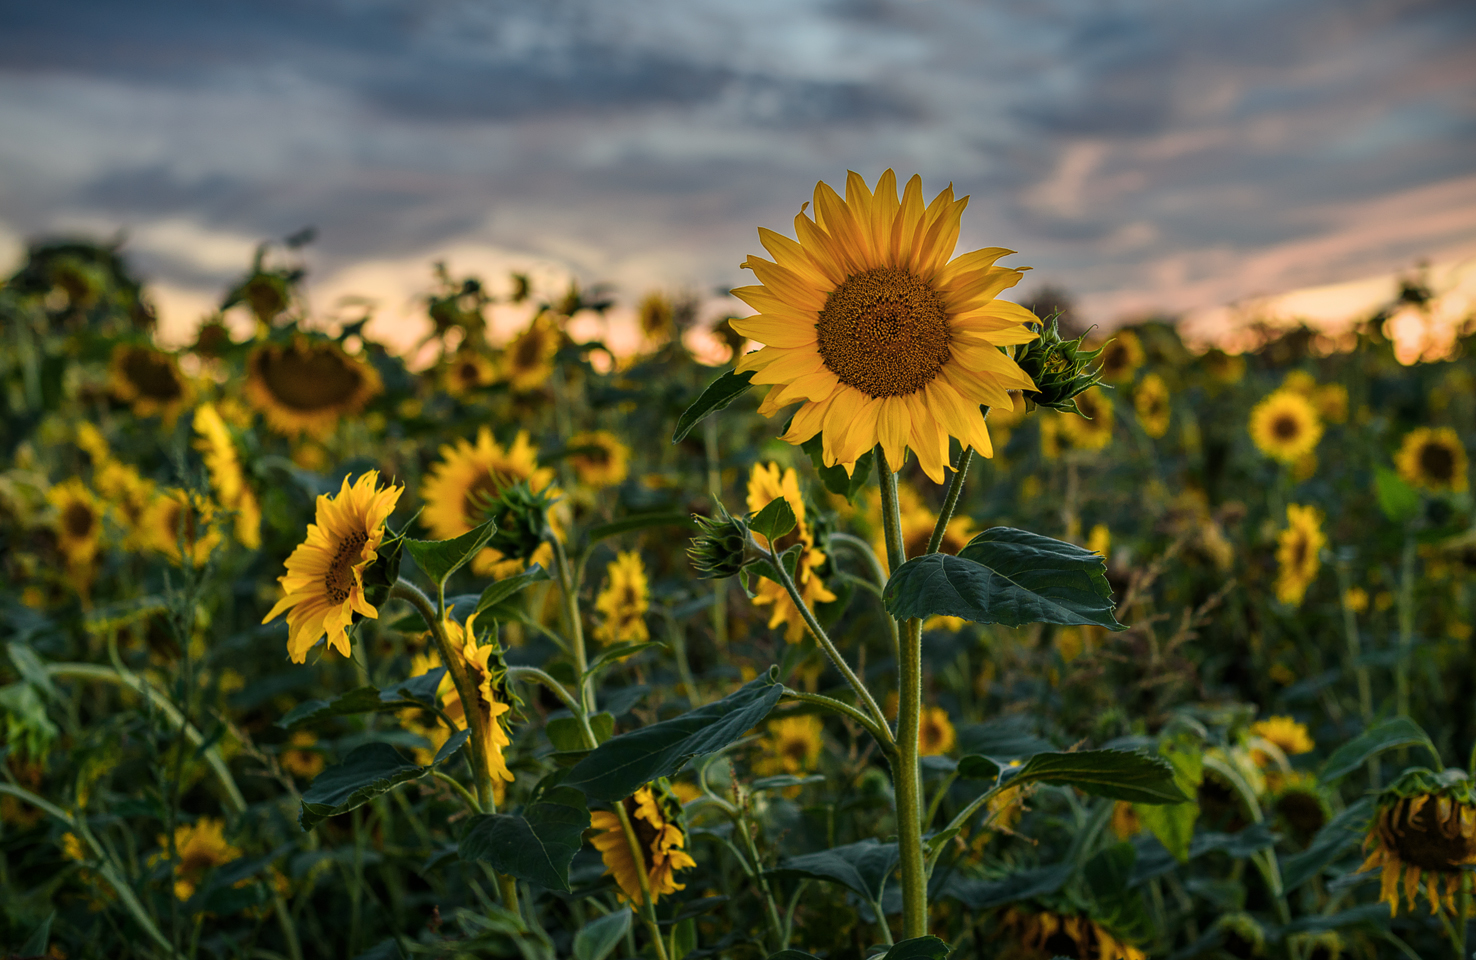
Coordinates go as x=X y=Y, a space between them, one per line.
x=1145 y=156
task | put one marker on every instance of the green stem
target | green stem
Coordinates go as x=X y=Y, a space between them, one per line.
x=1358 y=669
x=569 y=590
x=863 y=549
x=715 y=490
x=845 y=710
x=1406 y=633
x=891 y=512
x=461 y=791
x=647 y=908
x=776 y=926
x=950 y=500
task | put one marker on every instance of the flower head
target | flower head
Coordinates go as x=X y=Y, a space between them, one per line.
x=1425 y=830
x=1090 y=427
x=487 y=672
x=1298 y=553
x=765 y=485
x=603 y=462
x=201 y=847
x=721 y=546
x=227 y=479
x=1122 y=356
x=78 y=523
x=529 y=360
x=656 y=816
x=1285 y=426
x=624 y=600
x=793 y=746
x=1433 y=459
x=1285 y=733
x=181 y=524
x=306 y=386
x=1061 y=368
x=149 y=381
x=1151 y=401
x=935 y=734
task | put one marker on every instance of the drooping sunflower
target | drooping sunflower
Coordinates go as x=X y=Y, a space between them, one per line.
x=1433 y=459
x=604 y=462
x=79 y=521
x=1424 y=829
x=1092 y=430
x=149 y=381
x=656 y=815
x=1046 y=934
x=467 y=372
x=1298 y=553
x=306 y=386
x=324 y=584
x=201 y=847
x=528 y=361
x=765 y=485
x=180 y=523
x=793 y=746
x=1299 y=803
x=227 y=479
x=884 y=338
x=935 y=733
x=1285 y=426
x=489 y=675
x=1122 y=356
x=1151 y=401
x=624 y=601
x=458 y=487
x=1287 y=734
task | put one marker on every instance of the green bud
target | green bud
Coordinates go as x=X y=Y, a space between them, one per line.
x=522 y=520
x=721 y=548
x=1061 y=369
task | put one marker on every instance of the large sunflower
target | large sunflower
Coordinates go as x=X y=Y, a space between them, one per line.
x=227 y=478
x=458 y=487
x=179 y=522
x=489 y=676
x=78 y=521
x=1298 y=553
x=655 y=814
x=305 y=386
x=765 y=485
x=149 y=381
x=1433 y=459
x=884 y=338
x=324 y=582
x=603 y=462
x=624 y=601
x=1425 y=829
x=528 y=361
x=1285 y=426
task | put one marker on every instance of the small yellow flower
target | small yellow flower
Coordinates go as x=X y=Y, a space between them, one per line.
x=1151 y=401
x=1298 y=553
x=1433 y=459
x=201 y=847
x=1285 y=426
x=307 y=386
x=656 y=819
x=765 y=485
x=1290 y=736
x=793 y=746
x=1357 y=599
x=624 y=601
x=605 y=462
x=935 y=734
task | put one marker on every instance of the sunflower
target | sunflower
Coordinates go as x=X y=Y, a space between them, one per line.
x=201 y=847
x=657 y=319
x=1092 y=430
x=149 y=381
x=487 y=672
x=300 y=757
x=1099 y=541
x=324 y=583
x=604 y=462
x=528 y=362
x=78 y=522
x=1285 y=426
x=1298 y=553
x=793 y=746
x=459 y=486
x=129 y=495
x=1285 y=733
x=1299 y=804
x=1433 y=459
x=655 y=814
x=1121 y=357
x=1048 y=934
x=467 y=372
x=179 y=522
x=624 y=601
x=1151 y=401
x=1223 y=368
x=227 y=479
x=305 y=386
x=885 y=339
x=935 y=734
x=765 y=485
x=1424 y=828
x=1126 y=823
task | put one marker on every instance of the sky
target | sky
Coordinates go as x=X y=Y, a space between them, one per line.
x=1149 y=157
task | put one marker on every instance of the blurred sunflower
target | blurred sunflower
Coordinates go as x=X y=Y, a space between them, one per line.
x=1284 y=733
x=1298 y=553
x=1126 y=823
x=467 y=372
x=1331 y=402
x=765 y=485
x=935 y=734
x=1285 y=427
x=624 y=601
x=793 y=746
x=130 y=495
x=1121 y=357
x=149 y=381
x=528 y=361
x=201 y=847
x=1433 y=459
x=1151 y=401
x=1092 y=429
x=1223 y=368
x=459 y=488
x=918 y=521
x=657 y=318
x=655 y=816
x=301 y=758
x=604 y=462
x=1046 y=934
x=78 y=523
x=1424 y=829
x=324 y=583
x=306 y=386
x=227 y=479
x=489 y=675
x=179 y=522
x=1099 y=541
x=886 y=340
x=1299 y=804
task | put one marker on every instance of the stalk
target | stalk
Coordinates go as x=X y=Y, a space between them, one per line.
x=1359 y=670
x=950 y=500
x=715 y=490
x=568 y=589
x=648 y=906
x=1406 y=633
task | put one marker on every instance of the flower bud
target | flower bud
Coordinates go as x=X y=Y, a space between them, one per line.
x=1061 y=369
x=721 y=548
x=522 y=520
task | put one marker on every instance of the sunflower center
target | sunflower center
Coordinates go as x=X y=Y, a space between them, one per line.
x=645 y=832
x=181 y=522
x=529 y=350
x=596 y=454
x=1427 y=841
x=78 y=520
x=884 y=332
x=1437 y=463
x=309 y=380
x=1285 y=427
x=152 y=375
x=469 y=373
x=339 y=579
x=795 y=750
x=1298 y=555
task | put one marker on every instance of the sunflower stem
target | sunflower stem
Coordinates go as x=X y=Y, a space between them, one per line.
x=842 y=708
x=1406 y=633
x=647 y=909
x=776 y=926
x=715 y=490
x=950 y=500
x=1355 y=664
x=568 y=589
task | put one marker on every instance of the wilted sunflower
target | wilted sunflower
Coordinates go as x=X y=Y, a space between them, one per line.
x=1047 y=934
x=935 y=734
x=765 y=485
x=1298 y=553
x=466 y=372
x=149 y=381
x=884 y=338
x=458 y=488
x=1092 y=430
x=487 y=672
x=528 y=361
x=78 y=523
x=793 y=746
x=605 y=461
x=624 y=601
x=1151 y=401
x=201 y=847
x=324 y=583
x=1424 y=828
x=1285 y=733
x=306 y=386
x=227 y=479
x=1121 y=357
x=655 y=814
x=1285 y=427
x=1433 y=459
x=180 y=523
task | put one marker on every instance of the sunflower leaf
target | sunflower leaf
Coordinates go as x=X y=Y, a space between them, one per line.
x=1391 y=733
x=1006 y=576
x=721 y=392
x=860 y=867
x=358 y=700
x=1117 y=774
x=503 y=589
x=596 y=939
x=364 y=774
x=613 y=655
x=774 y=520
x=536 y=845
x=918 y=948
x=639 y=521
x=438 y=559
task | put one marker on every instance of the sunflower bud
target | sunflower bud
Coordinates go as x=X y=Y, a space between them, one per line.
x=522 y=520
x=1060 y=368
x=722 y=547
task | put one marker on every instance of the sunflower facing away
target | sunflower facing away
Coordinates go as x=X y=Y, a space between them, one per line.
x=655 y=814
x=765 y=485
x=1092 y=429
x=181 y=524
x=1285 y=426
x=793 y=746
x=201 y=847
x=1151 y=401
x=78 y=521
x=605 y=461
x=1298 y=553
x=488 y=674
x=884 y=338
x=624 y=601
x=149 y=381
x=324 y=583
x=305 y=386
x=1424 y=828
x=528 y=361
x=1433 y=459
x=1284 y=733
x=227 y=479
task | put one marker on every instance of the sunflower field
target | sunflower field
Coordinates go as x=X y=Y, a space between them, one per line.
x=921 y=628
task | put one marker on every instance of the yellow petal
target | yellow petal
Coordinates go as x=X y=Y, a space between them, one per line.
x=787 y=285
x=775 y=331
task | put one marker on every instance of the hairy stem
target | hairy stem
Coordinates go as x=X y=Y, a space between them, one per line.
x=950 y=500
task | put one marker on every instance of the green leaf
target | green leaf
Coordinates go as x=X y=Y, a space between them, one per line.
x=438 y=559
x=567 y=736
x=986 y=894
x=1173 y=823
x=977 y=767
x=1337 y=837
x=862 y=868
x=612 y=655
x=792 y=955
x=365 y=773
x=721 y=392
x=418 y=689
x=835 y=478
x=40 y=938
x=1006 y=576
x=1120 y=908
x=535 y=846
x=503 y=589
x=639 y=521
x=1386 y=735
x=774 y=520
x=596 y=939
x=784 y=781
x=683 y=938
x=1118 y=774
x=621 y=765
x=918 y=948
x=1398 y=500
x=357 y=700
